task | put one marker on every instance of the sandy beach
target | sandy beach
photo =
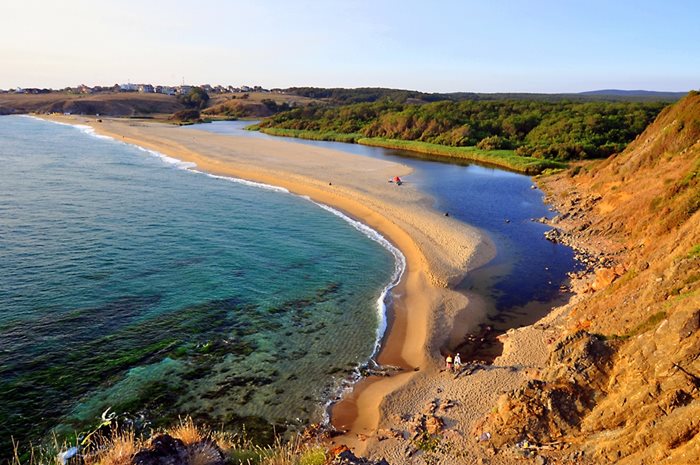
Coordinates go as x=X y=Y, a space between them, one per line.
x=438 y=249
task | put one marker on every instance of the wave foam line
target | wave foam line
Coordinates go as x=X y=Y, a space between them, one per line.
x=245 y=182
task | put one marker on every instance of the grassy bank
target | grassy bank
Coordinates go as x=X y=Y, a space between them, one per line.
x=311 y=135
x=502 y=158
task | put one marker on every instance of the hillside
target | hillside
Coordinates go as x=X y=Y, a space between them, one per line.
x=253 y=104
x=622 y=384
x=107 y=103
x=130 y=104
x=544 y=130
x=344 y=96
x=631 y=94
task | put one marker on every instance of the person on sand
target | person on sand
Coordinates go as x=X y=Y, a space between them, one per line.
x=448 y=362
x=458 y=362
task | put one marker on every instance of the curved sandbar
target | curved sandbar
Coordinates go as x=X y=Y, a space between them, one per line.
x=439 y=250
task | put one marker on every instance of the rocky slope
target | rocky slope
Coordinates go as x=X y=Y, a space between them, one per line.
x=622 y=384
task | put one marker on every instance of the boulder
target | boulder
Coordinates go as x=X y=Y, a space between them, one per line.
x=163 y=450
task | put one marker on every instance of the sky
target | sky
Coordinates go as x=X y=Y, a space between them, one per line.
x=440 y=46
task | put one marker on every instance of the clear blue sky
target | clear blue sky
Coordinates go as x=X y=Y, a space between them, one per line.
x=470 y=45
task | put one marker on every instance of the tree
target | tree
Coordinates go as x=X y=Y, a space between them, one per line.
x=195 y=98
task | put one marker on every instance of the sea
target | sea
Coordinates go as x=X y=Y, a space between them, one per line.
x=132 y=284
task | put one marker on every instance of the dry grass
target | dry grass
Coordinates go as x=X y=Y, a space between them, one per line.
x=204 y=448
x=204 y=453
x=117 y=450
x=188 y=432
x=107 y=103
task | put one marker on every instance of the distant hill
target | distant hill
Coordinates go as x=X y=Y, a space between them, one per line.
x=343 y=96
x=636 y=93
x=107 y=104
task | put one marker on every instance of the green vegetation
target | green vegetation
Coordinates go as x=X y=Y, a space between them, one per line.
x=186 y=116
x=502 y=158
x=195 y=98
x=694 y=251
x=312 y=135
x=341 y=96
x=364 y=94
x=558 y=131
x=427 y=442
x=648 y=324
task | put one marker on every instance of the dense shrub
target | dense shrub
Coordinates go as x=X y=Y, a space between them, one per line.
x=561 y=130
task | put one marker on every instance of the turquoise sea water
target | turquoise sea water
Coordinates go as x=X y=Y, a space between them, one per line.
x=131 y=283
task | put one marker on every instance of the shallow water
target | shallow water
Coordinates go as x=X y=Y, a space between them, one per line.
x=130 y=283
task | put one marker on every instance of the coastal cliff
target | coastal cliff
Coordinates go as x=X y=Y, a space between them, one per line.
x=622 y=383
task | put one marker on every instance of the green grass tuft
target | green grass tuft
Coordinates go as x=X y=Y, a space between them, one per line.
x=648 y=324
x=694 y=251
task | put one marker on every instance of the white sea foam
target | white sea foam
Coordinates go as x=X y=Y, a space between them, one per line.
x=90 y=131
x=245 y=182
x=184 y=165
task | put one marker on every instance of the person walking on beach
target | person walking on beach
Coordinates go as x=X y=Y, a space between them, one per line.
x=458 y=362
x=448 y=362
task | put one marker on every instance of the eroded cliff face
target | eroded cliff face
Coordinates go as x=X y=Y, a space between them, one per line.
x=622 y=384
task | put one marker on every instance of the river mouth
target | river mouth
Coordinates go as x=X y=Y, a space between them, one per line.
x=529 y=274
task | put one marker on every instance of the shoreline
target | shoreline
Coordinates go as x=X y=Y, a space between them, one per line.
x=414 y=336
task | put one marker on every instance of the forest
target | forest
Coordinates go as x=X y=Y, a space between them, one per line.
x=550 y=130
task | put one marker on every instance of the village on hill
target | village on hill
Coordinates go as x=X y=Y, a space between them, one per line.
x=182 y=89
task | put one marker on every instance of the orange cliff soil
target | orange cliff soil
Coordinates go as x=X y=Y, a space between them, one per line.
x=622 y=384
